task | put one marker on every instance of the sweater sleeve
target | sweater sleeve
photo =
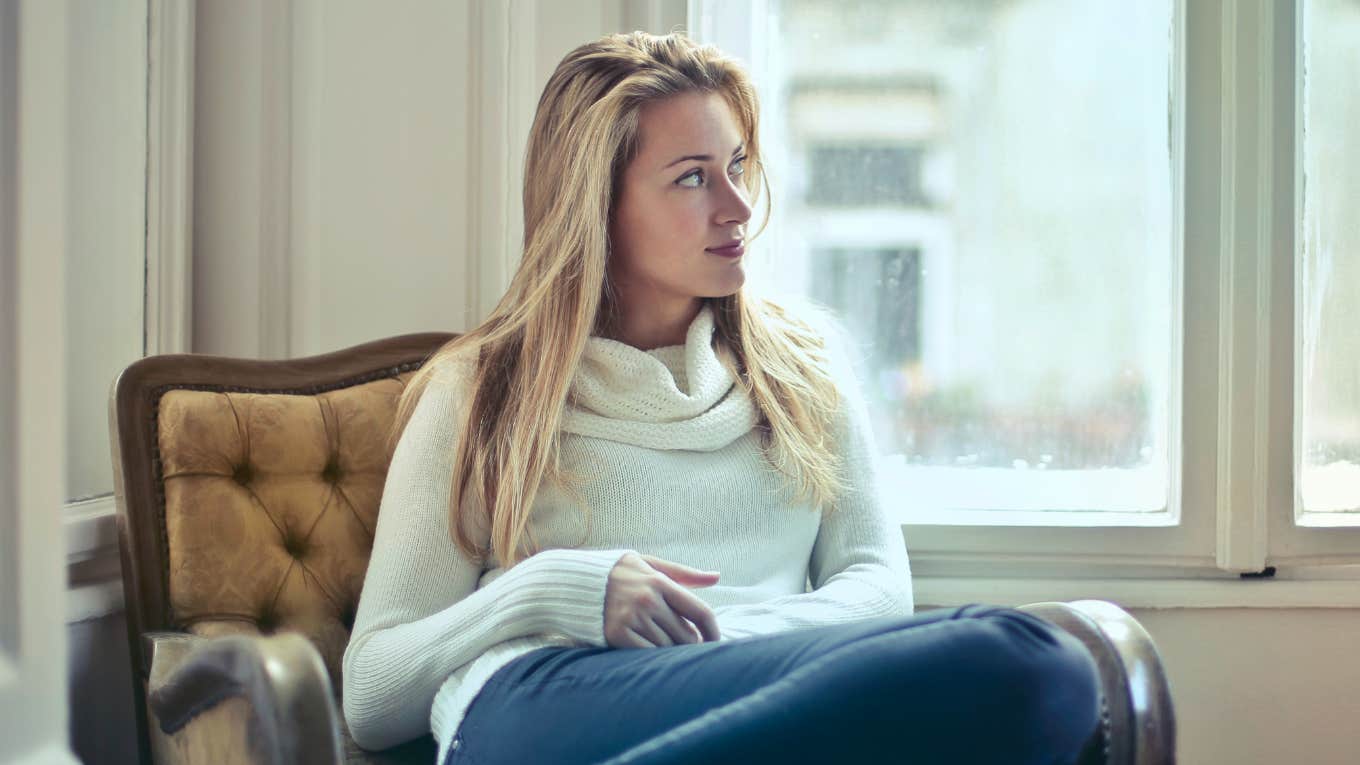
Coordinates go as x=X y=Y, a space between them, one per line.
x=858 y=567
x=421 y=615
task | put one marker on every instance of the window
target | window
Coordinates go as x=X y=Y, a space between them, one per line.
x=864 y=175
x=1124 y=349
x=1329 y=262
x=1020 y=357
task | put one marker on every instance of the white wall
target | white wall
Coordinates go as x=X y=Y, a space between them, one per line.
x=104 y=278
x=350 y=157
x=357 y=176
x=380 y=179
x=1262 y=685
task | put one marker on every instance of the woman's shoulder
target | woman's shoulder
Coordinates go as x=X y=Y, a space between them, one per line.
x=452 y=370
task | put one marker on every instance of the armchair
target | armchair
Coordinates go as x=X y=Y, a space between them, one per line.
x=248 y=493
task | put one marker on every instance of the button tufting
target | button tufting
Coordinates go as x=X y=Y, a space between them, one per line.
x=243 y=474
x=294 y=546
x=331 y=473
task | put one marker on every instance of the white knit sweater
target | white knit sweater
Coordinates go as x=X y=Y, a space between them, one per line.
x=670 y=441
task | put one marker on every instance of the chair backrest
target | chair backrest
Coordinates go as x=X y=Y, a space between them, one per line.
x=248 y=491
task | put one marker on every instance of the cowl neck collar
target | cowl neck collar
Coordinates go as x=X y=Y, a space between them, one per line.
x=673 y=397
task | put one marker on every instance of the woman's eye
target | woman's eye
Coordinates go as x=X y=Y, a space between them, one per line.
x=695 y=179
x=697 y=176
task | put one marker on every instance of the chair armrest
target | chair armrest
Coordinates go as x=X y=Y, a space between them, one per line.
x=1140 y=720
x=241 y=698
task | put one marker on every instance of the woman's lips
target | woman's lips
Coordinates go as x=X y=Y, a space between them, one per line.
x=730 y=251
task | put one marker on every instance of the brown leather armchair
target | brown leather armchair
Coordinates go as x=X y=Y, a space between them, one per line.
x=248 y=494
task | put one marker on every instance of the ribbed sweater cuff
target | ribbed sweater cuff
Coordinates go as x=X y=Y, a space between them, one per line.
x=568 y=590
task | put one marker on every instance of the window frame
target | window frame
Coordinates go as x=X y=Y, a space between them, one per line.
x=1233 y=494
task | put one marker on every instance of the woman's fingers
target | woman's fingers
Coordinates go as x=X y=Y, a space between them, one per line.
x=633 y=640
x=648 y=629
x=686 y=575
x=689 y=606
x=648 y=603
x=677 y=629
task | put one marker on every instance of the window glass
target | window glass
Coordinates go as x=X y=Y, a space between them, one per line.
x=1329 y=259
x=983 y=192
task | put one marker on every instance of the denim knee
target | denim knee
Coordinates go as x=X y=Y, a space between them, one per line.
x=1052 y=672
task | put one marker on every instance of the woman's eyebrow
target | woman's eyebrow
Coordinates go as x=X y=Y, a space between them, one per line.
x=702 y=157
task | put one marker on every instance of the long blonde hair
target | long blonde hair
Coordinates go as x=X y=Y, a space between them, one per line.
x=522 y=358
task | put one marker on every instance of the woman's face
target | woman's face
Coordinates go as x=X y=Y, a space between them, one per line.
x=682 y=197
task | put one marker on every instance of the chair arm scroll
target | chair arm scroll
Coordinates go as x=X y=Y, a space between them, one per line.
x=291 y=713
x=1141 y=721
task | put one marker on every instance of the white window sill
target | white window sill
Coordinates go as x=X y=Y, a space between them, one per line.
x=94 y=584
x=1141 y=593
x=97 y=589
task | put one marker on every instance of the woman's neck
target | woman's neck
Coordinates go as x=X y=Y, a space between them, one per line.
x=657 y=325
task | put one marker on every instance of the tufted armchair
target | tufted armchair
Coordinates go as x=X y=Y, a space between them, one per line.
x=248 y=493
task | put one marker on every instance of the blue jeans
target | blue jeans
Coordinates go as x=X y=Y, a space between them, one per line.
x=977 y=684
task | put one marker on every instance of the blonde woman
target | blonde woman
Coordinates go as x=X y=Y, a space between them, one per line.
x=632 y=516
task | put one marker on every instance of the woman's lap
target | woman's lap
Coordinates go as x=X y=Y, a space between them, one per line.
x=924 y=687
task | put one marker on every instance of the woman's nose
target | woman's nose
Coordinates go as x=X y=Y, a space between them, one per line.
x=734 y=206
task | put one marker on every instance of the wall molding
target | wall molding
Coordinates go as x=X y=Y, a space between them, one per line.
x=500 y=81
x=1244 y=288
x=169 y=177
x=9 y=336
x=276 y=180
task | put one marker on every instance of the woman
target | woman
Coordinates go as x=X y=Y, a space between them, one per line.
x=632 y=516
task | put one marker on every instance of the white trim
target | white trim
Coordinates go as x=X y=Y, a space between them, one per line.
x=520 y=101
x=9 y=334
x=276 y=186
x=502 y=98
x=488 y=147
x=1136 y=593
x=94 y=600
x=1348 y=519
x=169 y=177
x=1244 y=288
x=53 y=754
x=308 y=241
x=91 y=528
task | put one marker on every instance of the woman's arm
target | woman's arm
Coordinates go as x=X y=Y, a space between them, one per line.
x=421 y=615
x=859 y=567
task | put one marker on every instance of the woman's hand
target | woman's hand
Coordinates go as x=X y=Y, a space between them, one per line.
x=646 y=604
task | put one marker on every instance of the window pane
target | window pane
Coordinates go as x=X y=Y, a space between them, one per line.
x=1329 y=259
x=983 y=191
